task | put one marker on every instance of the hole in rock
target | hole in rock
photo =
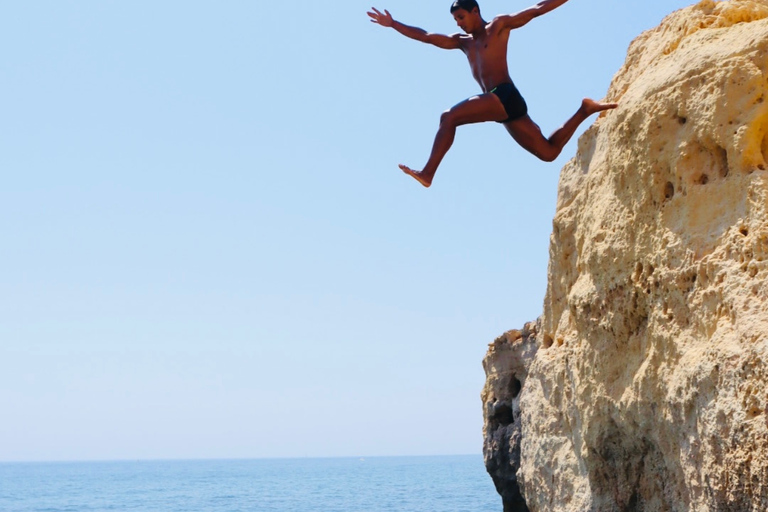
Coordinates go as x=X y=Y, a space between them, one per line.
x=744 y=231
x=723 y=155
x=682 y=120
x=669 y=190
x=515 y=386
x=503 y=415
x=754 y=412
x=703 y=179
x=547 y=342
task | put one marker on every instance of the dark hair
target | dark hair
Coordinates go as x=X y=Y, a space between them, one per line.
x=467 y=5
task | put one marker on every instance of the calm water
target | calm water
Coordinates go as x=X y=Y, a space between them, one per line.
x=408 y=484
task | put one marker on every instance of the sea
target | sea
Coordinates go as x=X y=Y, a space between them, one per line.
x=402 y=484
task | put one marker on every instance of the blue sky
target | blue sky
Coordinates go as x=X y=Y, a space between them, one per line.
x=209 y=250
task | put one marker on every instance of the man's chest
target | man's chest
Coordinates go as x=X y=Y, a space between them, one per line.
x=485 y=50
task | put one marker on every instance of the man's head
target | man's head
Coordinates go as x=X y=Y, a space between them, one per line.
x=467 y=5
x=467 y=14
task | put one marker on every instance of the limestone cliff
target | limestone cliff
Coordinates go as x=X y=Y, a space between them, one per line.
x=644 y=384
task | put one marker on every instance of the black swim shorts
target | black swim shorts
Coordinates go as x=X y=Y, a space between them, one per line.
x=512 y=100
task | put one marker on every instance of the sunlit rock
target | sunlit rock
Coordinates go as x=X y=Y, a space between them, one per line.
x=644 y=386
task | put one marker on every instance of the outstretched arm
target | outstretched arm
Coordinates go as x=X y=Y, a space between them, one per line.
x=512 y=21
x=441 y=41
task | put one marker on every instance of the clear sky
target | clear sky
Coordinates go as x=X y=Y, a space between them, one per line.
x=208 y=248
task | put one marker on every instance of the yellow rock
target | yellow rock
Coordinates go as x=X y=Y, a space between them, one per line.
x=649 y=388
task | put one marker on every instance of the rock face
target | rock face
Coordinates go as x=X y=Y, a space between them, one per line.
x=644 y=385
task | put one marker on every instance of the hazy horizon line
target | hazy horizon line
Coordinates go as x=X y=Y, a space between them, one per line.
x=234 y=459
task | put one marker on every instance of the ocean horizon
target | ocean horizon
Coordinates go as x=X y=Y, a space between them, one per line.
x=451 y=483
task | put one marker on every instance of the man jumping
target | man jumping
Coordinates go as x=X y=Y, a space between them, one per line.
x=485 y=45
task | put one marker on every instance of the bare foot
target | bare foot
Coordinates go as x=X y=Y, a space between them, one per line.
x=417 y=175
x=591 y=106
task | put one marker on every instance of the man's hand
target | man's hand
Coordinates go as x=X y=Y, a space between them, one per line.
x=385 y=20
x=419 y=34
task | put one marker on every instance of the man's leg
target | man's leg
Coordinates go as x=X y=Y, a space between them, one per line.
x=529 y=136
x=478 y=109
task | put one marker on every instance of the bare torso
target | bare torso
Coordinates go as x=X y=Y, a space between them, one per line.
x=487 y=54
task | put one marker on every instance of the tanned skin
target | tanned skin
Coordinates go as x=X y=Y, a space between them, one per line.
x=485 y=45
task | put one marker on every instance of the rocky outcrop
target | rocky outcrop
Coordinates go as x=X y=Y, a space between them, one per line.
x=506 y=367
x=644 y=384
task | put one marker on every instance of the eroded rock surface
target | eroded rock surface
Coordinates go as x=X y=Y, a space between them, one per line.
x=506 y=368
x=646 y=385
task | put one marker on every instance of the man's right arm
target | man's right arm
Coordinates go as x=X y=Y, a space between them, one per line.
x=441 y=41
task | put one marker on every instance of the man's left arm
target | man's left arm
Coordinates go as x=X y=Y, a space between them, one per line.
x=513 y=21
